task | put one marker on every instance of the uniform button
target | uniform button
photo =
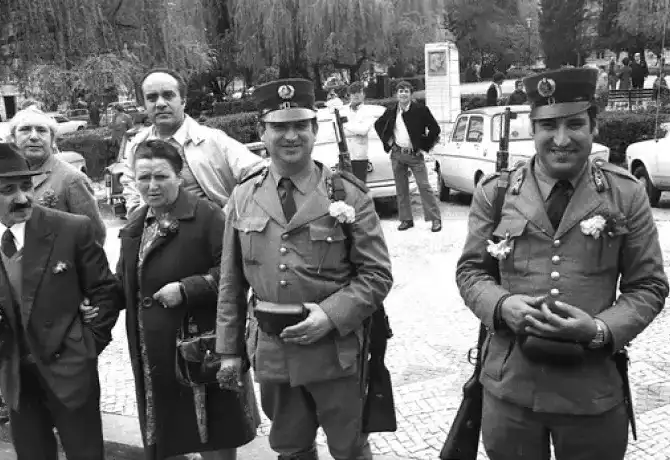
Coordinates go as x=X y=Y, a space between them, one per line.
x=284 y=236
x=147 y=302
x=283 y=283
x=329 y=239
x=56 y=355
x=554 y=292
x=283 y=250
x=555 y=275
x=556 y=260
x=283 y=267
x=557 y=243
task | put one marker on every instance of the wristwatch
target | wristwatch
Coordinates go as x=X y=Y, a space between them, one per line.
x=599 y=340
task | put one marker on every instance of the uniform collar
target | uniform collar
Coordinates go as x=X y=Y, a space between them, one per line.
x=546 y=183
x=305 y=181
x=19 y=232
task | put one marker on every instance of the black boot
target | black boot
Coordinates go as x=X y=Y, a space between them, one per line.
x=405 y=224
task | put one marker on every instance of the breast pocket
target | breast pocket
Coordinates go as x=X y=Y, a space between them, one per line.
x=514 y=229
x=328 y=244
x=602 y=254
x=250 y=231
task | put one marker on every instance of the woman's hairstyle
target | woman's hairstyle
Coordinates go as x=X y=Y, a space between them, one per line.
x=156 y=148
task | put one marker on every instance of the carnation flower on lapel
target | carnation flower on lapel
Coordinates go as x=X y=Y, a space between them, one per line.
x=60 y=267
x=48 y=199
x=611 y=224
x=501 y=249
x=342 y=212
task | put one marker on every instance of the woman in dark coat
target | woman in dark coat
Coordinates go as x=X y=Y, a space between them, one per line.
x=169 y=267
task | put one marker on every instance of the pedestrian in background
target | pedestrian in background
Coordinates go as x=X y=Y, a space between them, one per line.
x=357 y=129
x=120 y=123
x=639 y=71
x=309 y=244
x=495 y=94
x=169 y=267
x=58 y=185
x=612 y=74
x=518 y=96
x=581 y=275
x=407 y=130
x=213 y=161
x=625 y=74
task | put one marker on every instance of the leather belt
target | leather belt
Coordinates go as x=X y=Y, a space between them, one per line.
x=404 y=150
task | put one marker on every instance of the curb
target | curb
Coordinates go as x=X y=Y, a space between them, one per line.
x=123 y=441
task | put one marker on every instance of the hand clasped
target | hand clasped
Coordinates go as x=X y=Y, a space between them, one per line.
x=310 y=330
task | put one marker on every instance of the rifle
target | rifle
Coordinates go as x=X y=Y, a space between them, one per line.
x=621 y=361
x=462 y=441
x=378 y=408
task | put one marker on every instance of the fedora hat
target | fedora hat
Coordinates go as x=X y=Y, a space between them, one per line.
x=13 y=164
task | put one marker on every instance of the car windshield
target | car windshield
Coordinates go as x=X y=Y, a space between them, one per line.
x=519 y=127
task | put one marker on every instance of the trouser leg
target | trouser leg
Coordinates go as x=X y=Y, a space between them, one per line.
x=294 y=422
x=431 y=210
x=339 y=406
x=400 y=171
x=360 y=169
x=511 y=432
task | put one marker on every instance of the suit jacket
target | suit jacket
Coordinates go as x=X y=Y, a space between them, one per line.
x=311 y=258
x=62 y=264
x=421 y=125
x=583 y=269
x=492 y=95
x=62 y=187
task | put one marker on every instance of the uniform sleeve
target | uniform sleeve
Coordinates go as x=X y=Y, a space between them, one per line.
x=477 y=286
x=351 y=305
x=81 y=200
x=643 y=283
x=233 y=287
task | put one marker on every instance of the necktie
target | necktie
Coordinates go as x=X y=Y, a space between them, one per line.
x=8 y=244
x=286 y=197
x=558 y=201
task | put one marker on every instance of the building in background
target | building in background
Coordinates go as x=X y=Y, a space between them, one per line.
x=9 y=91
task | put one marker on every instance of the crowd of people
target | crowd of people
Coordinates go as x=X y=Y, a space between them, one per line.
x=230 y=262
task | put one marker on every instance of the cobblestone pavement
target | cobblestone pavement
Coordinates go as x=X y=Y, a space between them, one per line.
x=433 y=331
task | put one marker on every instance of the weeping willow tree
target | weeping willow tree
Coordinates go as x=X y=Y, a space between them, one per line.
x=302 y=36
x=646 y=20
x=94 y=44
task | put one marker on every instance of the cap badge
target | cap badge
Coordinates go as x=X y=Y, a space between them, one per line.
x=286 y=92
x=546 y=87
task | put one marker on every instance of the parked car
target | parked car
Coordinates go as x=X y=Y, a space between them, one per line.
x=79 y=115
x=72 y=157
x=137 y=112
x=649 y=161
x=380 y=174
x=65 y=125
x=469 y=153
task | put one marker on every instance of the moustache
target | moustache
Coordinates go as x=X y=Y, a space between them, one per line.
x=20 y=206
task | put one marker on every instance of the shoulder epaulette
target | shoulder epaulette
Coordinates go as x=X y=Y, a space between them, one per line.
x=349 y=177
x=255 y=170
x=614 y=169
x=488 y=178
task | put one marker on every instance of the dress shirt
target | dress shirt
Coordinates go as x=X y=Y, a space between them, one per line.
x=19 y=232
x=400 y=133
x=357 y=129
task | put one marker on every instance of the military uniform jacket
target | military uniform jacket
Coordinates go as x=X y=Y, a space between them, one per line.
x=345 y=268
x=573 y=267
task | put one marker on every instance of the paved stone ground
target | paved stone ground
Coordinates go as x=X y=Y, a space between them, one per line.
x=433 y=332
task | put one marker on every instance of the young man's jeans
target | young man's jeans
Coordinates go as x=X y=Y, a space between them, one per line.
x=401 y=163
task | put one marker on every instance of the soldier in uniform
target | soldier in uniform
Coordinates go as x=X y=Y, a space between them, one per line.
x=309 y=244
x=570 y=230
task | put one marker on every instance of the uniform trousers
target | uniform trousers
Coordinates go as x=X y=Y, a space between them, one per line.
x=297 y=412
x=402 y=163
x=79 y=430
x=512 y=432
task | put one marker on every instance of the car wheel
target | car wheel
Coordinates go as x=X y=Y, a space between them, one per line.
x=443 y=189
x=80 y=128
x=653 y=193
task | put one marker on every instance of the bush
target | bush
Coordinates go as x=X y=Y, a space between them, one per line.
x=234 y=106
x=240 y=126
x=617 y=130
x=95 y=145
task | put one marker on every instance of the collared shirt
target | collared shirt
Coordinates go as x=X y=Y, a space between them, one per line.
x=305 y=182
x=19 y=232
x=178 y=140
x=546 y=183
x=357 y=129
x=400 y=133
x=499 y=90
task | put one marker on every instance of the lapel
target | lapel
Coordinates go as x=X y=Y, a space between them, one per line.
x=7 y=299
x=36 y=252
x=267 y=197
x=131 y=236
x=315 y=206
x=46 y=169
x=529 y=200
x=585 y=199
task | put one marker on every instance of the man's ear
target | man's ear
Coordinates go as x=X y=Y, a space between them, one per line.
x=595 y=131
x=260 y=128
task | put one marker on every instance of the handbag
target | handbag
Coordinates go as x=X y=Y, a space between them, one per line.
x=196 y=359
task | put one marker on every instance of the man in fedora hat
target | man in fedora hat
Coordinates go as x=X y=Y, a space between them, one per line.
x=50 y=261
x=308 y=242
x=570 y=233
